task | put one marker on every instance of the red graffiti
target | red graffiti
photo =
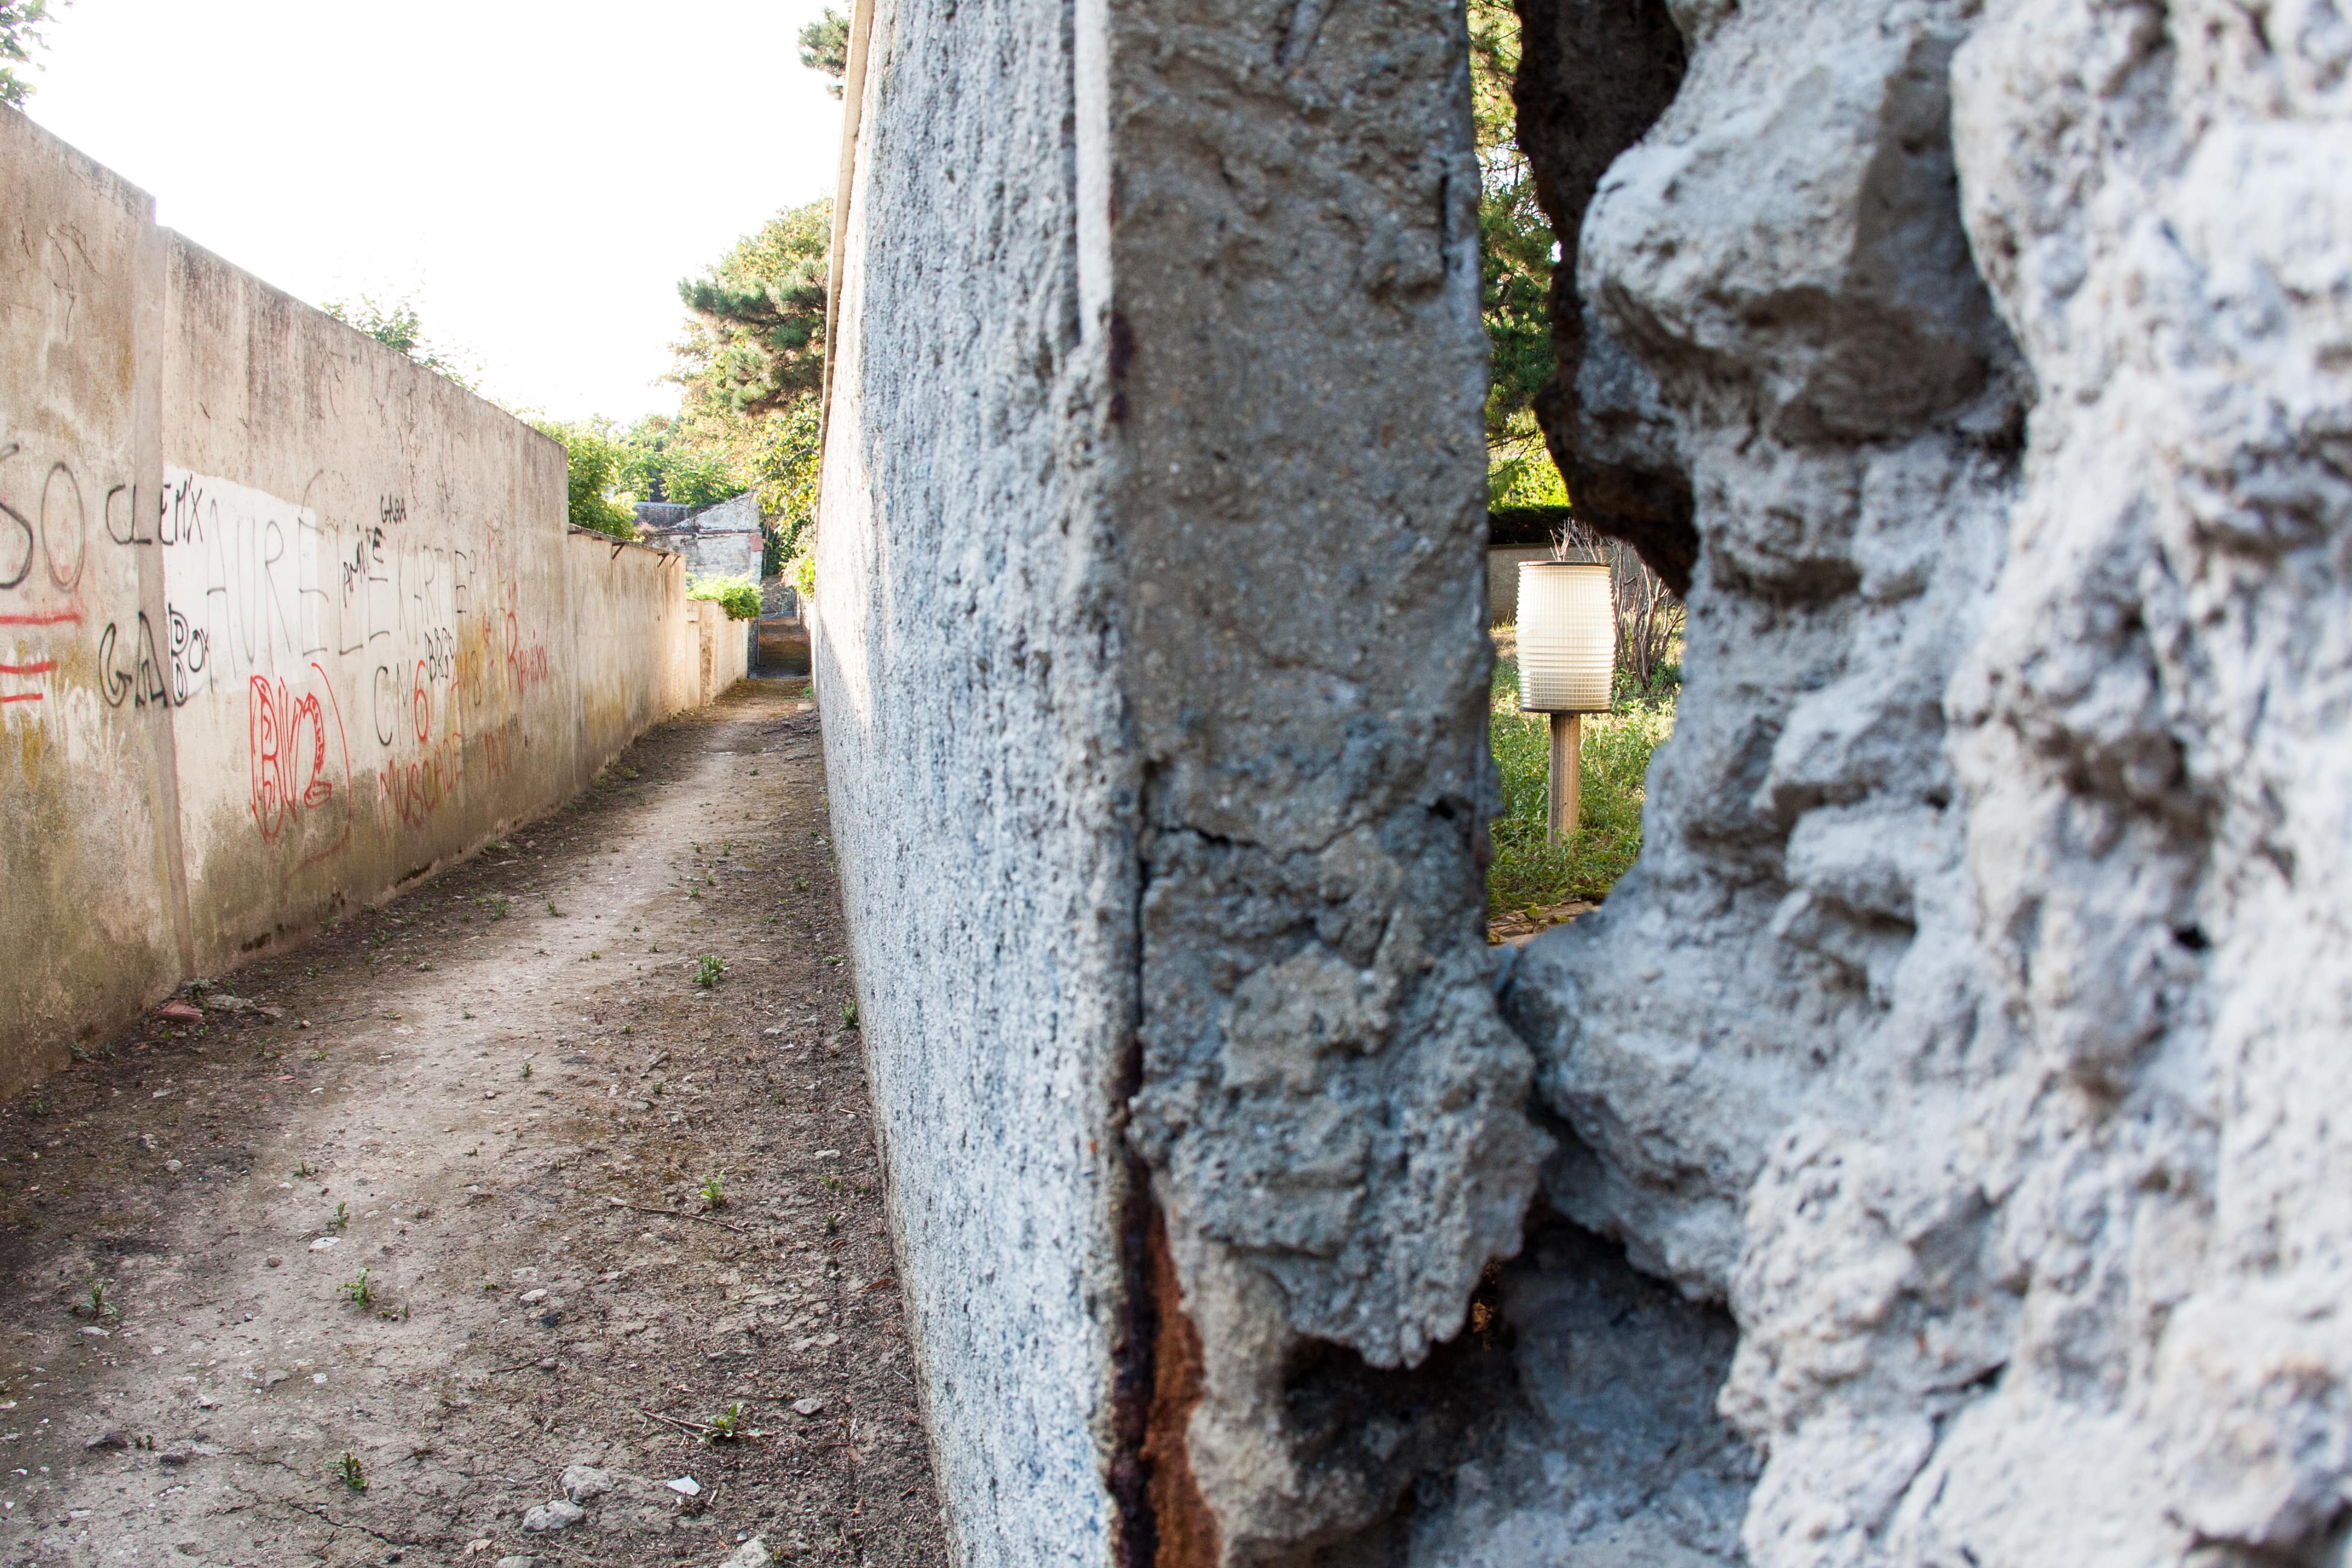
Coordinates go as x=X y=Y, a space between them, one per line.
x=45 y=618
x=526 y=666
x=43 y=668
x=412 y=791
x=292 y=769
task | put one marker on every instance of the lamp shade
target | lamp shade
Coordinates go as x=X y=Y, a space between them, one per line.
x=1568 y=636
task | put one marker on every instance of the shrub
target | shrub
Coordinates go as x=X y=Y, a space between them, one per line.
x=740 y=596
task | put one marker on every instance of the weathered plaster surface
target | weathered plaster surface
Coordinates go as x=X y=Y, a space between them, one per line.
x=286 y=619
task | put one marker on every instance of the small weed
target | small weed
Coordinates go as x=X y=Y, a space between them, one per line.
x=311 y=971
x=498 y=907
x=360 y=1291
x=832 y=1225
x=657 y=1086
x=526 y=1067
x=553 y=910
x=99 y=1307
x=39 y=1107
x=343 y=1219
x=628 y=773
x=714 y=1190
x=78 y=1054
x=350 y=1474
x=849 y=1014
x=833 y=1184
x=726 y=1425
x=708 y=969
x=302 y=1169
x=319 y=1055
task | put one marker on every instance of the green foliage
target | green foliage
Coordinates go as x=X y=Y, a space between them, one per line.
x=739 y=596
x=802 y=574
x=1527 y=873
x=592 y=459
x=665 y=462
x=756 y=339
x=708 y=969
x=1515 y=251
x=21 y=21
x=824 y=46
x=397 y=327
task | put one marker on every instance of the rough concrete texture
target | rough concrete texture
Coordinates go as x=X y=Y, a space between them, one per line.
x=962 y=650
x=1937 y=1162
x=1971 y=1026
x=1156 y=330
x=286 y=621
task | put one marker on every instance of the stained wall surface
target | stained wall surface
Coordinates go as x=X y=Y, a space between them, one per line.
x=285 y=620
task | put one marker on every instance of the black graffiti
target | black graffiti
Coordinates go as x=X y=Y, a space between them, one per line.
x=144 y=685
x=25 y=567
x=129 y=534
x=191 y=649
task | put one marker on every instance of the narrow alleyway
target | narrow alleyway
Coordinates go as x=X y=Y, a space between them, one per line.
x=476 y=1188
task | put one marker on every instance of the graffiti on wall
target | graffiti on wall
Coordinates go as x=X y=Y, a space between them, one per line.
x=44 y=551
x=327 y=652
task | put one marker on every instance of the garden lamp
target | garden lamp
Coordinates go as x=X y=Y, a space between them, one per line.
x=1567 y=661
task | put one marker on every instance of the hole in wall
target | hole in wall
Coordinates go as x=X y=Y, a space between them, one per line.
x=1559 y=90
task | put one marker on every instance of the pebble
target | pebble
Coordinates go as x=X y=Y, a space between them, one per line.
x=324 y=1244
x=752 y=1553
x=173 y=1166
x=808 y=1406
x=518 y=1562
x=582 y=1482
x=684 y=1486
x=533 y=1297
x=557 y=1514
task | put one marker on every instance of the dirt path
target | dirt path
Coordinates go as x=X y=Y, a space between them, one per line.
x=493 y=1065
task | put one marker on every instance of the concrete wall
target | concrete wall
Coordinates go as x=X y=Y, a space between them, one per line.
x=1503 y=580
x=1159 y=792
x=285 y=621
x=1946 y=1159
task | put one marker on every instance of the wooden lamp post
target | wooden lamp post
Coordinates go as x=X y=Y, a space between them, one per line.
x=1568 y=660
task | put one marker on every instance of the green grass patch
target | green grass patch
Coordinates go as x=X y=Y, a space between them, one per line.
x=1529 y=874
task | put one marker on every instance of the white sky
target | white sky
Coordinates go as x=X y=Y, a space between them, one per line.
x=535 y=174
